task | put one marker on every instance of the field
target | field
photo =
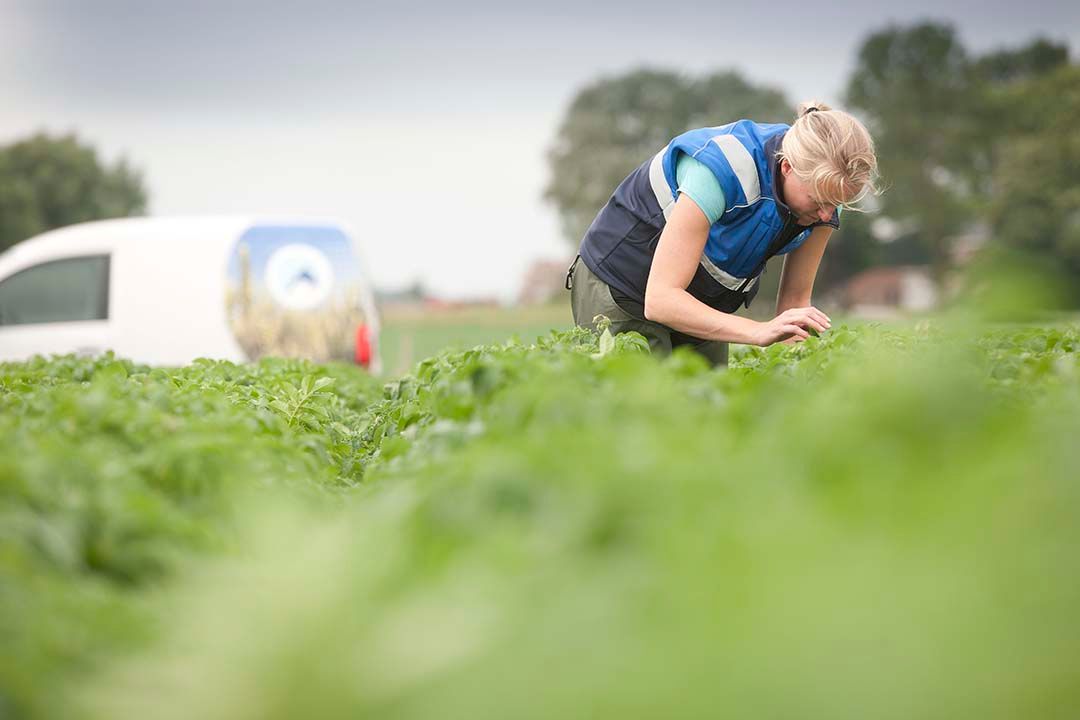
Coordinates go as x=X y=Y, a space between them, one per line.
x=412 y=334
x=877 y=523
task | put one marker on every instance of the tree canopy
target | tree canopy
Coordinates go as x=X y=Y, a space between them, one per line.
x=1035 y=203
x=48 y=182
x=913 y=86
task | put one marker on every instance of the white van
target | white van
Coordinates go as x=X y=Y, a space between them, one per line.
x=165 y=291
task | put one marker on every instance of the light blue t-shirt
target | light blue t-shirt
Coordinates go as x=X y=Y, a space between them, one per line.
x=699 y=184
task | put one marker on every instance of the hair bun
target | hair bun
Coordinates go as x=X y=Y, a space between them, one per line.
x=805 y=108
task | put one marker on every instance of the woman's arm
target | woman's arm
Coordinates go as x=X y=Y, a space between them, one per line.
x=800 y=269
x=677 y=256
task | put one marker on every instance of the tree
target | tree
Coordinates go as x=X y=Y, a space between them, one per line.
x=942 y=120
x=1040 y=57
x=613 y=125
x=48 y=182
x=1035 y=205
x=915 y=87
x=994 y=110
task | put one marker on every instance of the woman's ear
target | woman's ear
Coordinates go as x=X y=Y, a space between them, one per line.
x=785 y=167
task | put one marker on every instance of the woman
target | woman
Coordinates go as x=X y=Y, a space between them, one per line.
x=681 y=244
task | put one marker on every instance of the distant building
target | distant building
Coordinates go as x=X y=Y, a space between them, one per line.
x=435 y=304
x=413 y=294
x=544 y=281
x=881 y=292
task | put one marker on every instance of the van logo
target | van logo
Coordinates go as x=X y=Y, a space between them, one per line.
x=295 y=291
x=299 y=277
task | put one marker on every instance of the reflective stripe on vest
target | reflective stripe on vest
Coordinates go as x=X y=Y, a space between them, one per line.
x=664 y=197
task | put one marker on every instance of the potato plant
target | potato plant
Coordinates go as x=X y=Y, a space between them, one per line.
x=871 y=523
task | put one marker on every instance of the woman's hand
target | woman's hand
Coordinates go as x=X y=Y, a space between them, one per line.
x=792 y=324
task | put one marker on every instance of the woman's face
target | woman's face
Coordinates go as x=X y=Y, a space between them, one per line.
x=800 y=198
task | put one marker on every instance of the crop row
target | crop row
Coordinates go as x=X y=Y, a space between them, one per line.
x=872 y=523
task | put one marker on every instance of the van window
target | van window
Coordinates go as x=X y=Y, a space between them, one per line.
x=68 y=290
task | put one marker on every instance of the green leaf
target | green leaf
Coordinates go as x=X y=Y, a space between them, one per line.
x=280 y=406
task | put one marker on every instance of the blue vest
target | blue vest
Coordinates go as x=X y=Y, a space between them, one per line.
x=756 y=224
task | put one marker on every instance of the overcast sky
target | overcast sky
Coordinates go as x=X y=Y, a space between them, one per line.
x=423 y=124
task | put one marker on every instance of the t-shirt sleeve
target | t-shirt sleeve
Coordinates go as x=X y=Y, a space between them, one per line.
x=698 y=183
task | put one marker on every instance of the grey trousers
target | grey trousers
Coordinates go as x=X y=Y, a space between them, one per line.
x=590 y=296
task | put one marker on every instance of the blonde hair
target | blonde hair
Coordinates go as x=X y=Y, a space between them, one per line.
x=833 y=153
